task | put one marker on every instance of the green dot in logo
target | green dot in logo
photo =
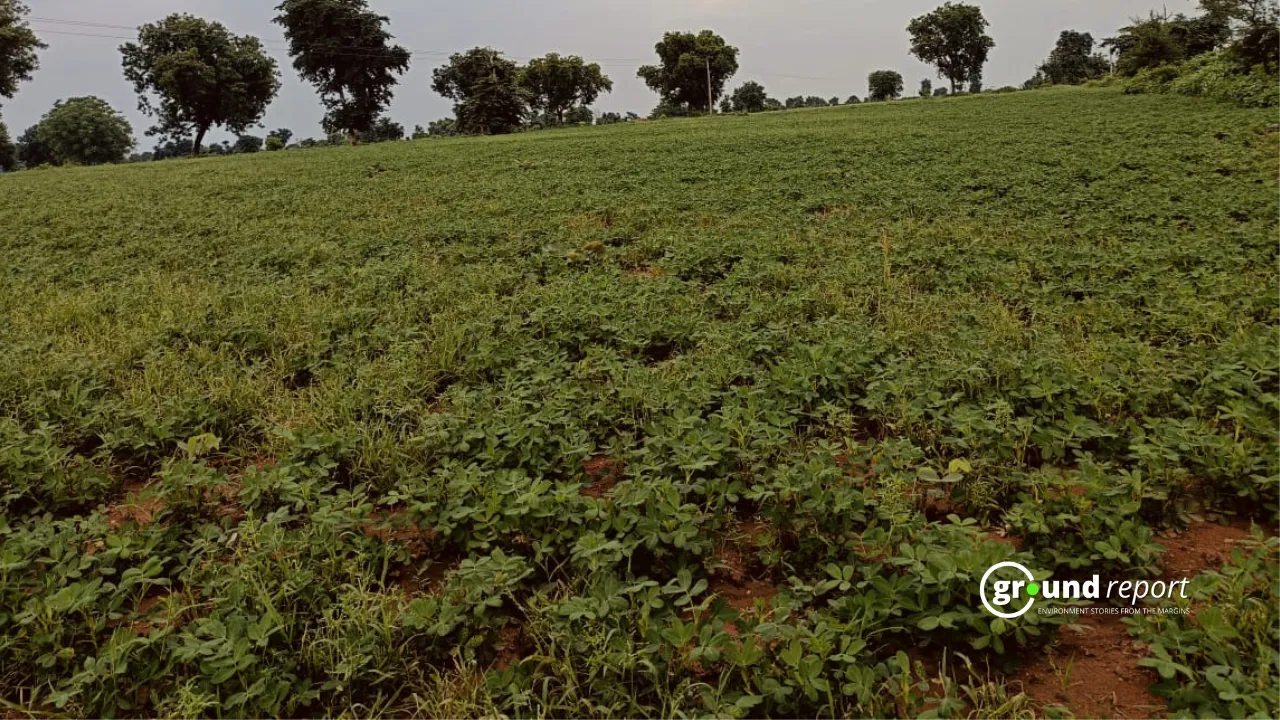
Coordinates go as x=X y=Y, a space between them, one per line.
x=1033 y=589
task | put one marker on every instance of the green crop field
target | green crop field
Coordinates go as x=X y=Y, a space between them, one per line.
x=713 y=416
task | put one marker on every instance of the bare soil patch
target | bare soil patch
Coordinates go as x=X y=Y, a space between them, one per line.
x=604 y=472
x=1202 y=546
x=1094 y=674
x=136 y=507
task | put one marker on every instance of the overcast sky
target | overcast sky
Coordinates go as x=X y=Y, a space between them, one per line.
x=792 y=47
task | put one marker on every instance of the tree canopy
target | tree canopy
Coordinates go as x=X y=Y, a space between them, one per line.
x=680 y=78
x=345 y=50
x=485 y=87
x=884 y=85
x=1073 y=60
x=85 y=131
x=19 y=47
x=384 y=130
x=750 y=97
x=1162 y=39
x=555 y=84
x=953 y=39
x=32 y=152
x=8 y=151
x=284 y=135
x=192 y=74
x=443 y=127
x=247 y=144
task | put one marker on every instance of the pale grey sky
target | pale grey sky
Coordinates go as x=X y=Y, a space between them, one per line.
x=792 y=47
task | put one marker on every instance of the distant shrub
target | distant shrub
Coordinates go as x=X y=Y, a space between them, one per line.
x=1104 y=81
x=1211 y=75
x=1214 y=76
x=1152 y=80
x=1004 y=89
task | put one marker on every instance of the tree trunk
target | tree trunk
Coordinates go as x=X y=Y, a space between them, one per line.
x=353 y=137
x=195 y=148
x=953 y=85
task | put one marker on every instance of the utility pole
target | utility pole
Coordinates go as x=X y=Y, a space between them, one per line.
x=710 y=106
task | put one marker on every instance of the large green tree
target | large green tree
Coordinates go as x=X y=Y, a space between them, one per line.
x=686 y=61
x=344 y=49
x=750 y=97
x=555 y=84
x=485 y=87
x=1073 y=60
x=1161 y=39
x=247 y=144
x=1255 y=27
x=953 y=39
x=18 y=47
x=32 y=152
x=8 y=151
x=192 y=74
x=384 y=130
x=884 y=85
x=85 y=131
x=283 y=134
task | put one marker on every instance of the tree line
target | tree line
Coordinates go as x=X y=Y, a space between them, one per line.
x=192 y=75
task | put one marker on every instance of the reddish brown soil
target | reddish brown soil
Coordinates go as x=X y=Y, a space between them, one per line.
x=645 y=271
x=1202 y=546
x=604 y=472
x=1100 y=667
x=999 y=535
x=732 y=577
x=742 y=596
x=139 y=510
x=511 y=647
x=429 y=581
x=393 y=526
x=1094 y=674
x=935 y=504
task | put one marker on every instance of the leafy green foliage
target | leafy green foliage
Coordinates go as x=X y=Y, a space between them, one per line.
x=1072 y=61
x=953 y=39
x=485 y=87
x=749 y=97
x=1161 y=39
x=247 y=144
x=556 y=84
x=284 y=135
x=1211 y=75
x=384 y=130
x=85 y=131
x=730 y=428
x=8 y=151
x=192 y=74
x=19 y=47
x=884 y=85
x=1221 y=659
x=344 y=49
x=32 y=152
x=687 y=63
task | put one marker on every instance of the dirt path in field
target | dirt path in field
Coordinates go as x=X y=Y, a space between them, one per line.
x=1096 y=673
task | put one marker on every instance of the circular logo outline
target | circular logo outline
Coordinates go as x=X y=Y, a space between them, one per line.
x=982 y=590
